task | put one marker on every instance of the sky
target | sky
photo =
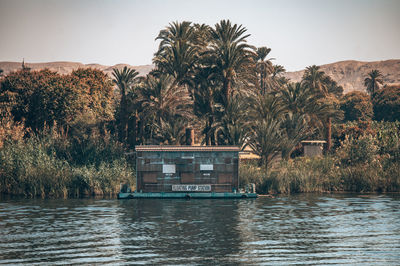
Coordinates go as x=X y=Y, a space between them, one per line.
x=299 y=32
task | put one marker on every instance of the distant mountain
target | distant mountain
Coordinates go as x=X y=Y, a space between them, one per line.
x=349 y=74
x=68 y=67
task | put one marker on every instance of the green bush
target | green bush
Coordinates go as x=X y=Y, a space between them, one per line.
x=302 y=175
x=362 y=150
x=353 y=171
x=39 y=166
x=250 y=172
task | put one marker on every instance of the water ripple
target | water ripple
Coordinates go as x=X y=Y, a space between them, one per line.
x=301 y=229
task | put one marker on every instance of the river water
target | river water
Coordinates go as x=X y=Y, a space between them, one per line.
x=299 y=229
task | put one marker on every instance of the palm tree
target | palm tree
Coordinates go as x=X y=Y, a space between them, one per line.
x=202 y=36
x=373 y=81
x=171 y=132
x=163 y=102
x=124 y=79
x=178 y=52
x=229 y=55
x=263 y=67
x=314 y=78
x=277 y=70
x=265 y=133
x=296 y=128
x=232 y=128
x=301 y=100
x=206 y=92
x=265 y=107
x=265 y=137
x=319 y=84
x=296 y=97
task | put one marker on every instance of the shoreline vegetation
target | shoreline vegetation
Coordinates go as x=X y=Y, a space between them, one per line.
x=65 y=136
x=366 y=158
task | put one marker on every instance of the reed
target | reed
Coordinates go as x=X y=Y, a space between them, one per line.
x=49 y=166
x=323 y=174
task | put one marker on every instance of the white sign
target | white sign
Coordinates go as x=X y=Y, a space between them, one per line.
x=206 y=167
x=168 y=169
x=202 y=188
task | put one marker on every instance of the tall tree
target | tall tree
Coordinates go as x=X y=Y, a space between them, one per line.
x=97 y=93
x=277 y=78
x=40 y=98
x=233 y=127
x=295 y=127
x=265 y=137
x=277 y=70
x=264 y=67
x=356 y=106
x=177 y=52
x=43 y=98
x=206 y=92
x=387 y=103
x=163 y=102
x=314 y=78
x=124 y=79
x=265 y=133
x=321 y=86
x=230 y=55
x=373 y=81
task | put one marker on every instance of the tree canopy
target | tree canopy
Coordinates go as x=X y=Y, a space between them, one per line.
x=206 y=77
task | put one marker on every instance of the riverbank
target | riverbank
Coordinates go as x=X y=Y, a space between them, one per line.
x=366 y=158
x=323 y=174
x=52 y=166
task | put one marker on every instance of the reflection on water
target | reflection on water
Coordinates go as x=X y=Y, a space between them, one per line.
x=303 y=229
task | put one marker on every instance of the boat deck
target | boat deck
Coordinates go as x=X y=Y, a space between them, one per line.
x=187 y=195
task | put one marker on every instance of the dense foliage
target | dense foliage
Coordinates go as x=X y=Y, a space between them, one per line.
x=357 y=105
x=208 y=78
x=387 y=104
x=367 y=160
x=50 y=164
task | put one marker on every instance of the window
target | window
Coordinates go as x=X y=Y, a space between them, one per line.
x=206 y=167
x=169 y=169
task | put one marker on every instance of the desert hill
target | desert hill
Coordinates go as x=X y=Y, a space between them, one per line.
x=68 y=67
x=349 y=74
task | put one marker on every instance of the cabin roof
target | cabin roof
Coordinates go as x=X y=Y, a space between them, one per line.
x=311 y=142
x=185 y=148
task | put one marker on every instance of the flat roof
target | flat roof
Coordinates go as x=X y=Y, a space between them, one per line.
x=314 y=141
x=185 y=148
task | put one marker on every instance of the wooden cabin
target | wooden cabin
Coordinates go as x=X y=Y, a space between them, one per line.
x=187 y=168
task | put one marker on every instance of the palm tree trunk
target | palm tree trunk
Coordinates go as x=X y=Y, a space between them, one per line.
x=136 y=128
x=132 y=131
x=262 y=83
x=227 y=89
x=123 y=120
x=207 y=130
x=329 y=134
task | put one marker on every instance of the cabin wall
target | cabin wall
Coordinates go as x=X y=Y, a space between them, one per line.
x=167 y=171
x=313 y=150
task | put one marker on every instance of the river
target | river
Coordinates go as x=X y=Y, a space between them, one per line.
x=298 y=229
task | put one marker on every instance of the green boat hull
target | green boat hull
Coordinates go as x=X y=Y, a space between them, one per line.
x=187 y=195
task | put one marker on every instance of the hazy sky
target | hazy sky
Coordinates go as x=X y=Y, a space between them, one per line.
x=300 y=32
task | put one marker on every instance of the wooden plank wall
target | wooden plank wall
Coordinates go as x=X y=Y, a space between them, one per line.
x=223 y=177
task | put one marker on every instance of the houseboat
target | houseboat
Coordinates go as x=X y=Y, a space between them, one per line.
x=187 y=172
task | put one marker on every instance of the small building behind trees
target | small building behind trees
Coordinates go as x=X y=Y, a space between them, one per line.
x=313 y=147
